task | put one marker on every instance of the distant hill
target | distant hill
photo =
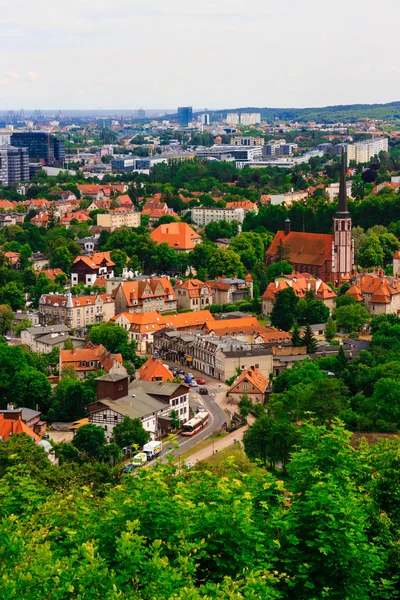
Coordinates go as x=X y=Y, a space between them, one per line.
x=326 y=114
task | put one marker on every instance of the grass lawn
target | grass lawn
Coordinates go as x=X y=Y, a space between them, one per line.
x=201 y=445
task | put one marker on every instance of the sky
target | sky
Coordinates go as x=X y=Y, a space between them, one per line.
x=129 y=54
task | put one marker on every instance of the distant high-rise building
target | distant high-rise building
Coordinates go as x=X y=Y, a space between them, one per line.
x=141 y=114
x=205 y=119
x=362 y=152
x=185 y=115
x=14 y=165
x=233 y=118
x=250 y=118
x=41 y=146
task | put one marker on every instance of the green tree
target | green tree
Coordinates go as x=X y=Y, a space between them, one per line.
x=61 y=258
x=296 y=337
x=23 y=324
x=277 y=269
x=245 y=405
x=114 y=338
x=284 y=310
x=175 y=421
x=311 y=311
x=352 y=317
x=6 y=319
x=330 y=330
x=308 y=340
x=130 y=432
x=119 y=257
x=225 y=262
x=270 y=440
x=91 y=440
x=12 y=295
x=70 y=399
x=371 y=253
x=31 y=389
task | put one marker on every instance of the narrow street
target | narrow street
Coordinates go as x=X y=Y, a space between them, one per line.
x=211 y=403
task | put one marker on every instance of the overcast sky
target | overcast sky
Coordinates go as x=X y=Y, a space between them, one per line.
x=214 y=54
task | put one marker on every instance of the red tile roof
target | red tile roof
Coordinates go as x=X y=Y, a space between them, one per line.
x=305 y=248
x=9 y=427
x=154 y=370
x=179 y=236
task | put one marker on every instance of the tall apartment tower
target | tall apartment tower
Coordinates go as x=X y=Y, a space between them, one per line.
x=185 y=115
x=14 y=165
x=343 y=245
x=41 y=146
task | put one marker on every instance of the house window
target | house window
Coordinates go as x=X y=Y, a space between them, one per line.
x=257 y=366
x=115 y=417
x=104 y=416
x=245 y=387
x=83 y=364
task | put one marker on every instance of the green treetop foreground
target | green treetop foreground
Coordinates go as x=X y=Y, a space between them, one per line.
x=330 y=530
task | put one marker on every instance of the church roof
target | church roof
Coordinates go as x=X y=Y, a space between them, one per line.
x=305 y=248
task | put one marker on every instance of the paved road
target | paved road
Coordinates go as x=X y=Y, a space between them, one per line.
x=217 y=415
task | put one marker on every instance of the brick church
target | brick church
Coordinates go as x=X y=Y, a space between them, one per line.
x=330 y=257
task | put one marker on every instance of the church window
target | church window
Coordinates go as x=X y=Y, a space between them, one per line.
x=343 y=225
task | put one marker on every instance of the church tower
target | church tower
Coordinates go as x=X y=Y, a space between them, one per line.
x=343 y=245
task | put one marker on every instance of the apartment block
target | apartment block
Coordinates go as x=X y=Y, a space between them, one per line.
x=203 y=216
x=119 y=218
x=362 y=152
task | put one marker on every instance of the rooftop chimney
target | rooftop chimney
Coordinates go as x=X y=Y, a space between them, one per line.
x=287 y=226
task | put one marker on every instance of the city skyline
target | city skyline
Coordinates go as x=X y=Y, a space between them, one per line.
x=223 y=54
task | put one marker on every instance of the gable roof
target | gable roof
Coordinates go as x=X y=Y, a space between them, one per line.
x=89 y=353
x=154 y=370
x=9 y=427
x=179 y=236
x=193 y=287
x=380 y=287
x=233 y=323
x=95 y=261
x=254 y=377
x=305 y=248
x=300 y=283
x=145 y=288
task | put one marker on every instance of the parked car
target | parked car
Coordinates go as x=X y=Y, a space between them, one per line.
x=181 y=372
x=201 y=381
x=203 y=391
x=191 y=383
x=129 y=467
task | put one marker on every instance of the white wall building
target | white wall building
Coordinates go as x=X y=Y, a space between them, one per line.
x=203 y=216
x=362 y=152
x=250 y=118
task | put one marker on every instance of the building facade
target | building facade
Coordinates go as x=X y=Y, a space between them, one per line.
x=203 y=216
x=193 y=294
x=41 y=146
x=145 y=295
x=14 y=165
x=362 y=152
x=119 y=218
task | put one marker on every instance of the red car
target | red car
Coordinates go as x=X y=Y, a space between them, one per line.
x=200 y=381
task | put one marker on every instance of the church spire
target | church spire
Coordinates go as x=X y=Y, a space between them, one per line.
x=342 y=204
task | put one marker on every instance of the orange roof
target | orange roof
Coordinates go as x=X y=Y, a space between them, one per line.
x=254 y=377
x=8 y=427
x=188 y=320
x=300 y=283
x=62 y=300
x=125 y=200
x=79 y=358
x=89 y=188
x=237 y=323
x=305 y=248
x=268 y=334
x=355 y=291
x=11 y=255
x=179 y=236
x=51 y=273
x=38 y=202
x=6 y=204
x=379 y=287
x=145 y=288
x=154 y=370
x=95 y=261
x=193 y=287
x=79 y=215
x=141 y=322
x=245 y=204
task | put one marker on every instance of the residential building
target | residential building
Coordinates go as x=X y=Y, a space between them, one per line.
x=203 y=216
x=89 y=244
x=125 y=201
x=31 y=418
x=233 y=118
x=189 y=321
x=154 y=370
x=379 y=293
x=333 y=190
x=13 y=259
x=86 y=269
x=193 y=294
x=301 y=283
x=76 y=311
x=287 y=199
x=91 y=358
x=329 y=257
x=250 y=118
x=141 y=328
x=123 y=164
x=41 y=146
x=362 y=152
x=119 y=217
x=44 y=339
x=179 y=236
x=251 y=383
x=396 y=264
x=185 y=115
x=205 y=119
x=14 y=426
x=246 y=205
x=14 y=165
x=151 y=402
x=247 y=141
x=227 y=290
x=145 y=295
